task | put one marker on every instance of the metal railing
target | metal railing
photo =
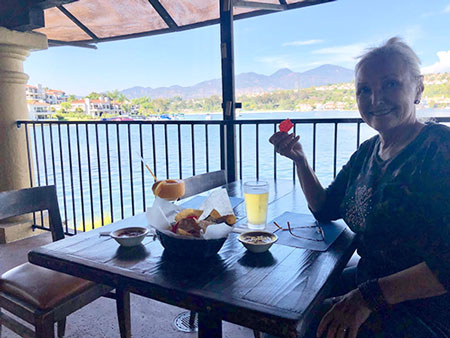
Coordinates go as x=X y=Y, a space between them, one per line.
x=100 y=178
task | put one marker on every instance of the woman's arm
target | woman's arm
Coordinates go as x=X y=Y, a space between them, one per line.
x=412 y=283
x=313 y=190
x=288 y=145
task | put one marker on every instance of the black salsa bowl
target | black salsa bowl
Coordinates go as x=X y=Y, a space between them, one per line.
x=190 y=247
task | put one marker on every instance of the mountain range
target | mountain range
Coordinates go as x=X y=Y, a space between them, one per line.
x=250 y=83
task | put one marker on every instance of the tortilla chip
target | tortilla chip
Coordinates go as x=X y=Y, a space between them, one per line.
x=183 y=233
x=214 y=214
x=188 y=212
x=230 y=219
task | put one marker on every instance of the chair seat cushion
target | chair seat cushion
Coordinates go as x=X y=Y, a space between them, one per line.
x=40 y=287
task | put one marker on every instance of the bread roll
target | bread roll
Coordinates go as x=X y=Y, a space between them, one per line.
x=170 y=190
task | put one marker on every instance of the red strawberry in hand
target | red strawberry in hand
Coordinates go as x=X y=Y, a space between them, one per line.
x=286 y=125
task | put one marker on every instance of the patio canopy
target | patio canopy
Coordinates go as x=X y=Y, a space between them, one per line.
x=83 y=22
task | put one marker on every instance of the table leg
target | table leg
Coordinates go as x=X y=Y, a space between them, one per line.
x=123 y=312
x=209 y=326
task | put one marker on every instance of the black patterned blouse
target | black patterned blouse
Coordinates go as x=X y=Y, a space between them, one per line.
x=401 y=206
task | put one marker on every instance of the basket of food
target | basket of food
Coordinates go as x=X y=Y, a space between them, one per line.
x=198 y=233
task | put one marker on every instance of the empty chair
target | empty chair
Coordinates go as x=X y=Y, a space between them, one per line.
x=40 y=296
x=200 y=183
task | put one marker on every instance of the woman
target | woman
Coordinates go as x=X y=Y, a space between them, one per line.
x=394 y=192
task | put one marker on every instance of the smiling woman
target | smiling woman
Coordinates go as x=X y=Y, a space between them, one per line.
x=388 y=85
x=394 y=192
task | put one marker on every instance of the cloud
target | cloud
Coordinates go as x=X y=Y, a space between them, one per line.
x=277 y=61
x=345 y=53
x=442 y=66
x=447 y=9
x=302 y=43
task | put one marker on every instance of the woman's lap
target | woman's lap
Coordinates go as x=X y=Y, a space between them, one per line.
x=393 y=323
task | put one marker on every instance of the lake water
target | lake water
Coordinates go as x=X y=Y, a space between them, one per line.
x=86 y=171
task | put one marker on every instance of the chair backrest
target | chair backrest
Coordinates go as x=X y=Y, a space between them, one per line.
x=24 y=201
x=200 y=183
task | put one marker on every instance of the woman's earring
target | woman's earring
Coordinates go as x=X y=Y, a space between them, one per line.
x=416 y=101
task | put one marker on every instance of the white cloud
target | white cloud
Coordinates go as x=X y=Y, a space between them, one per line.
x=447 y=9
x=277 y=61
x=302 y=43
x=346 y=53
x=442 y=66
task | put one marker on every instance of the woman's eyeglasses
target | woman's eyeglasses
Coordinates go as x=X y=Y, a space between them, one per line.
x=316 y=225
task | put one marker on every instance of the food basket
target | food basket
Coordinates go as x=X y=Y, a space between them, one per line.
x=190 y=246
x=187 y=232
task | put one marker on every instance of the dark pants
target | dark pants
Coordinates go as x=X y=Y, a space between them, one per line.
x=403 y=320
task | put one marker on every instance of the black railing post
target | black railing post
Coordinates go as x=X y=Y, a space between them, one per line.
x=228 y=97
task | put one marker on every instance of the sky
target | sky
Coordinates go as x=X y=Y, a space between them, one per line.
x=301 y=39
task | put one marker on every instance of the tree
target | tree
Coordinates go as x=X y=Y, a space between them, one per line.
x=65 y=107
x=93 y=96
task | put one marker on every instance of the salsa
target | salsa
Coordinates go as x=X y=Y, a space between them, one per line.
x=258 y=239
x=130 y=233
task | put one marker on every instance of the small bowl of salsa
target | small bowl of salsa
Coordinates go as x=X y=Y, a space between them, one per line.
x=257 y=241
x=131 y=236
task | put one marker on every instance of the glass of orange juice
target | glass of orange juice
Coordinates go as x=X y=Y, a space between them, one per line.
x=256 y=194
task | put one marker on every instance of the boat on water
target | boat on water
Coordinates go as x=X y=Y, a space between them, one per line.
x=165 y=117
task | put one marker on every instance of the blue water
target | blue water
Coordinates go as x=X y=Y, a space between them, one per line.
x=94 y=169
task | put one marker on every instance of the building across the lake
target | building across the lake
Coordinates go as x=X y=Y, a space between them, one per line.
x=38 y=110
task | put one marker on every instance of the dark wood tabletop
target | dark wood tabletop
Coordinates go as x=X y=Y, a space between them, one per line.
x=273 y=292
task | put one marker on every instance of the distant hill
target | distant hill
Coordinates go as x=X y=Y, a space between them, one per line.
x=250 y=83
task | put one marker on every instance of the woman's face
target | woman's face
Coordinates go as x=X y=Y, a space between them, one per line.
x=385 y=93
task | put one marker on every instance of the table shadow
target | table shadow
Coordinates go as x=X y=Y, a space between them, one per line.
x=254 y=260
x=132 y=253
x=177 y=268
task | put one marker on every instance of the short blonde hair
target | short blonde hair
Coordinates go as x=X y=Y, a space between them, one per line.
x=394 y=46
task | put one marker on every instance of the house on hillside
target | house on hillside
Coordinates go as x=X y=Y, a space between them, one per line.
x=34 y=93
x=97 y=107
x=38 y=110
x=54 y=96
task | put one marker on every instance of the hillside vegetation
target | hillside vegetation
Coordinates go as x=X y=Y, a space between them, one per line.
x=330 y=97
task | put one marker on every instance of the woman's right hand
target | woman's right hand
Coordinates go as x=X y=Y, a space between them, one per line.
x=288 y=145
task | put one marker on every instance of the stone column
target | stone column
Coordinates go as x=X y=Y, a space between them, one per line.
x=14 y=49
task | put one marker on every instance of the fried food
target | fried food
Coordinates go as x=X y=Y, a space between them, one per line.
x=189 y=225
x=187 y=213
x=215 y=217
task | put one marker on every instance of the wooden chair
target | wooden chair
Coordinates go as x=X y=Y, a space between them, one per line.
x=200 y=183
x=40 y=296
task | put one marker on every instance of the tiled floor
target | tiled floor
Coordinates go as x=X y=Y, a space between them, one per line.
x=98 y=319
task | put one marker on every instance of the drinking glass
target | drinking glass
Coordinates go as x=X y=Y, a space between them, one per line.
x=256 y=194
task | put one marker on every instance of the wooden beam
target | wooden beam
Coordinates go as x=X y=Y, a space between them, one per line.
x=25 y=15
x=44 y=4
x=58 y=43
x=228 y=138
x=17 y=15
x=259 y=5
x=163 y=14
x=78 y=22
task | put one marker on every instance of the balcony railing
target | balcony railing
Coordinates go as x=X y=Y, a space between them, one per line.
x=100 y=178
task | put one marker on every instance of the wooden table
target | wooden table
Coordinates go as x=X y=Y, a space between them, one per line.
x=272 y=292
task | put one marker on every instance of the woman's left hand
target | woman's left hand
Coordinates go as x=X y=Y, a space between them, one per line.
x=345 y=317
